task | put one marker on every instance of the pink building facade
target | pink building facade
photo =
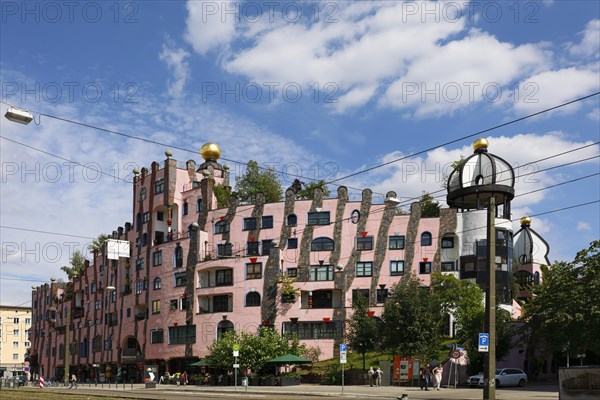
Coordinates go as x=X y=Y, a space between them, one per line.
x=196 y=271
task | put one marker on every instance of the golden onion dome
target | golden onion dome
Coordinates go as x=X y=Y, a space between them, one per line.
x=480 y=143
x=525 y=221
x=210 y=151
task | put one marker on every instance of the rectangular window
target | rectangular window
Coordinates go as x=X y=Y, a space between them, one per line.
x=15 y=345
x=224 y=277
x=182 y=334
x=93 y=288
x=397 y=268
x=16 y=320
x=314 y=330
x=28 y=320
x=364 y=243
x=252 y=249
x=183 y=303
x=145 y=217
x=173 y=304
x=224 y=250
x=249 y=224
x=322 y=299
x=157 y=258
x=364 y=268
x=159 y=186
x=292 y=272
x=180 y=279
x=292 y=243
x=160 y=216
x=448 y=266
x=321 y=273
x=140 y=286
x=318 y=218
x=97 y=304
x=221 y=303
x=156 y=307
x=267 y=222
x=27 y=345
x=157 y=336
x=448 y=242
x=127 y=313
x=15 y=332
x=266 y=247
x=222 y=227
x=396 y=242
x=139 y=265
x=425 y=267
x=382 y=295
x=253 y=270
x=15 y=356
x=185 y=208
x=360 y=292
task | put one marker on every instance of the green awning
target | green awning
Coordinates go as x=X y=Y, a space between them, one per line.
x=201 y=363
x=289 y=359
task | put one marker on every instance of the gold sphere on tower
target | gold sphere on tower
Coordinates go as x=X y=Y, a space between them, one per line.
x=480 y=143
x=525 y=221
x=210 y=151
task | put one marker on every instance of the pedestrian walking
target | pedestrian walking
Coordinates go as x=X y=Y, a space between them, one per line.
x=370 y=373
x=73 y=382
x=437 y=376
x=425 y=374
x=378 y=374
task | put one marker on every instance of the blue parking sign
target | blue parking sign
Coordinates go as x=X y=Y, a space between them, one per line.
x=342 y=347
x=484 y=342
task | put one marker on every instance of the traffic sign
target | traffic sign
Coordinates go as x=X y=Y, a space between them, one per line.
x=236 y=350
x=343 y=347
x=236 y=365
x=456 y=354
x=484 y=342
x=343 y=358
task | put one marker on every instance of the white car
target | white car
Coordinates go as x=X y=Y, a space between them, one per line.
x=504 y=377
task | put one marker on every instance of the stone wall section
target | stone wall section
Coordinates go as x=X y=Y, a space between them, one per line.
x=447 y=226
x=307 y=237
x=412 y=237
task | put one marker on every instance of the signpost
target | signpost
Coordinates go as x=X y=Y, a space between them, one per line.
x=484 y=342
x=343 y=349
x=236 y=354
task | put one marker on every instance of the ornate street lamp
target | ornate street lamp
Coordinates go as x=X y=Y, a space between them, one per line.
x=485 y=181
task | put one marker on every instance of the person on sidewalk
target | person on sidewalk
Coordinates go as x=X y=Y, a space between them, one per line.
x=370 y=374
x=73 y=382
x=425 y=377
x=437 y=376
x=378 y=374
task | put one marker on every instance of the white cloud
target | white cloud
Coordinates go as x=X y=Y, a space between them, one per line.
x=211 y=24
x=594 y=115
x=583 y=226
x=175 y=60
x=590 y=42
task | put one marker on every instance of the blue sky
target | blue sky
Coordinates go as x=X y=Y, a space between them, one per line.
x=320 y=89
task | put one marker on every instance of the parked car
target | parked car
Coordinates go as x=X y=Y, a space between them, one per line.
x=504 y=377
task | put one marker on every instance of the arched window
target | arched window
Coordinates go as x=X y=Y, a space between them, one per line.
x=185 y=208
x=536 y=278
x=292 y=220
x=178 y=256
x=144 y=239
x=425 y=239
x=138 y=222
x=322 y=244
x=222 y=227
x=157 y=283
x=224 y=327
x=198 y=205
x=142 y=194
x=253 y=299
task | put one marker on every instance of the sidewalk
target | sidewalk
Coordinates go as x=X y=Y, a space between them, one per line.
x=538 y=392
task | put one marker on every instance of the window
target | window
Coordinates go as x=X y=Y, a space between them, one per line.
x=364 y=268
x=266 y=247
x=155 y=306
x=396 y=242
x=221 y=303
x=267 y=222
x=15 y=356
x=224 y=277
x=322 y=299
x=157 y=284
x=97 y=344
x=253 y=299
x=173 y=304
x=223 y=327
x=321 y=273
x=182 y=334
x=292 y=272
x=145 y=217
x=144 y=239
x=140 y=286
x=314 y=330
x=224 y=250
x=425 y=239
x=157 y=258
x=253 y=270
x=322 y=244
x=142 y=194
x=360 y=292
x=15 y=345
x=157 y=336
x=448 y=266
x=448 y=242
x=27 y=345
x=318 y=218
x=222 y=227
x=198 y=205
x=185 y=208
x=15 y=332
x=180 y=279
x=178 y=256
x=397 y=268
x=252 y=248
x=97 y=304
x=292 y=243
x=249 y=224
x=28 y=320
x=292 y=220
x=364 y=243
x=425 y=267
x=382 y=295
x=159 y=186
x=93 y=288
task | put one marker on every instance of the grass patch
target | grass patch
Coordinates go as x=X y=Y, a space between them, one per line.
x=49 y=394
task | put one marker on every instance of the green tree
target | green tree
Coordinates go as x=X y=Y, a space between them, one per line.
x=222 y=193
x=563 y=314
x=412 y=319
x=255 y=181
x=77 y=265
x=429 y=207
x=97 y=244
x=363 y=331
x=308 y=190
